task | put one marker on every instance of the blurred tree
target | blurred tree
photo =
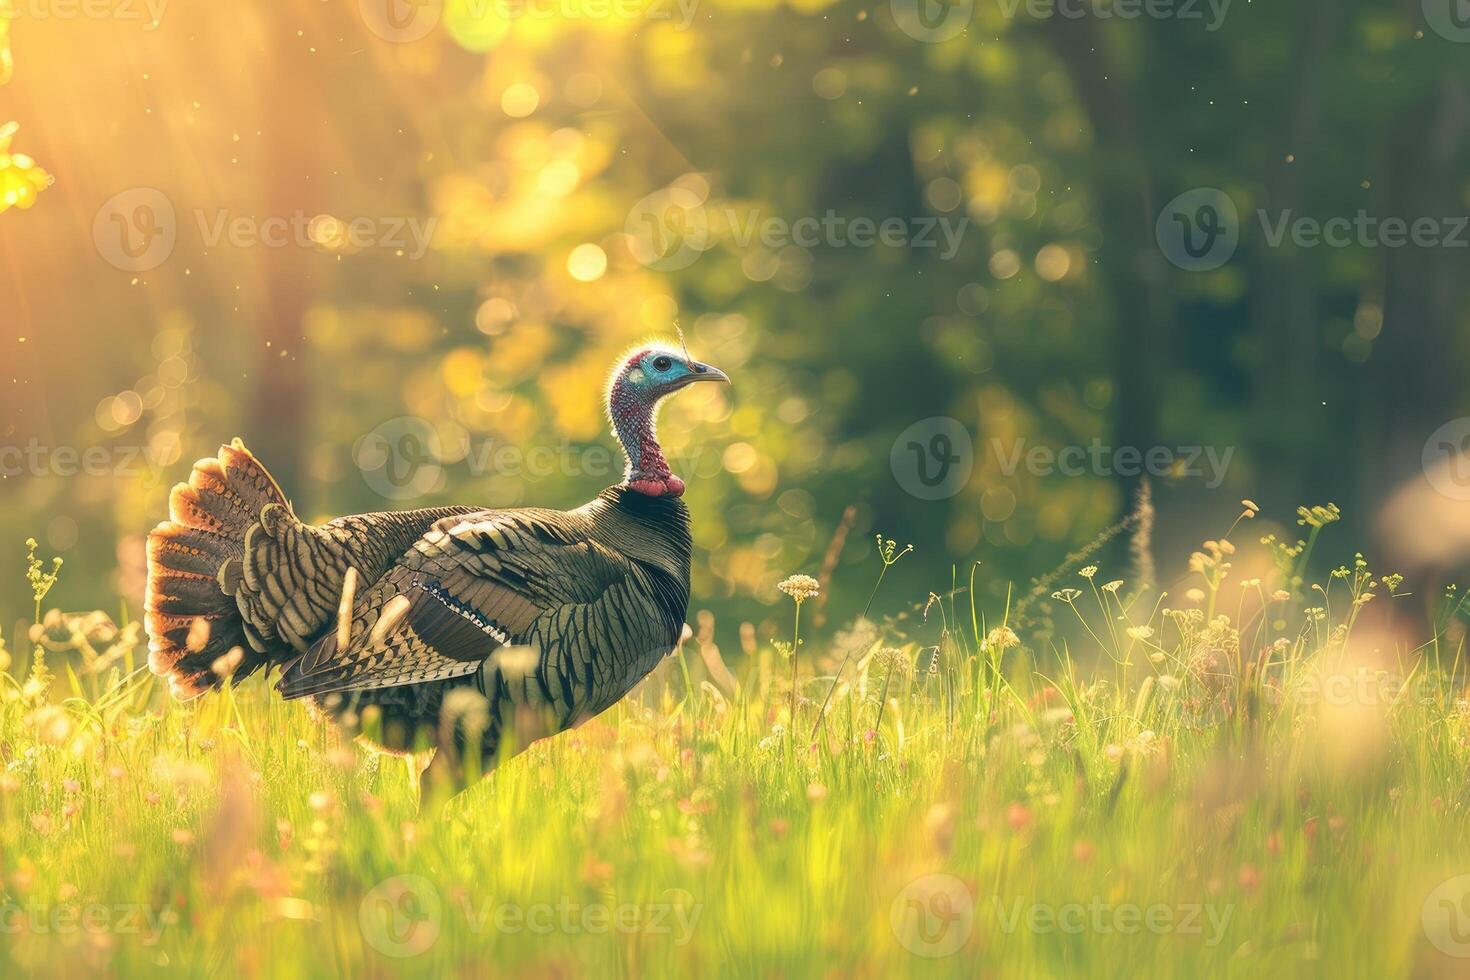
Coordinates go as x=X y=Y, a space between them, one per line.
x=532 y=147
x=7 y=61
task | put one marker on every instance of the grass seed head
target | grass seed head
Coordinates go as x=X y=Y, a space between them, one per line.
x=799 y=587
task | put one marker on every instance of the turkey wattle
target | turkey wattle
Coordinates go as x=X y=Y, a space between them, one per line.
x=552 y=616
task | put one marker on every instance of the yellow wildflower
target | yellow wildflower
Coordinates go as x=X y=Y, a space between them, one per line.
x=20 y=179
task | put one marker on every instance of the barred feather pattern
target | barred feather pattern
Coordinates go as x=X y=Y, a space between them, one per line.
x=553 y=613
x=237 y=582
x=548 y=615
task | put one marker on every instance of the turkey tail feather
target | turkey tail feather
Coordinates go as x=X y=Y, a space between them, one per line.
x=196 y=634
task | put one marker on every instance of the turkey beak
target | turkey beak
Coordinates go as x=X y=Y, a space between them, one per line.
x=705 y=372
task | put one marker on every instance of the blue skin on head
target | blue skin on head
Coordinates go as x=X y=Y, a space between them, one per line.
x=660 y=372
x=645 y=379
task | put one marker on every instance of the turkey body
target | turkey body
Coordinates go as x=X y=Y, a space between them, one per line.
x=456 y=628
x=546 y=617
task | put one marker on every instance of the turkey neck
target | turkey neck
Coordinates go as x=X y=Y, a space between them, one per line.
x=633 y=417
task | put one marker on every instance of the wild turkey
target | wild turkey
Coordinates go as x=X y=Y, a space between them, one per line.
x=549 y=616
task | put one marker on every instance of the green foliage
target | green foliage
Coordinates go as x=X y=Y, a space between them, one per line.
x=527 y=141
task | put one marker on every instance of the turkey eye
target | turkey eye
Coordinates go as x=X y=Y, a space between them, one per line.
x=662 y=363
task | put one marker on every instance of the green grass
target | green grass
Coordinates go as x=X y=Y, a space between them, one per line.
x=1279 y=793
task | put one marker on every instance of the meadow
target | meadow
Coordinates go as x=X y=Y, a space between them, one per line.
x=1227 y=776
